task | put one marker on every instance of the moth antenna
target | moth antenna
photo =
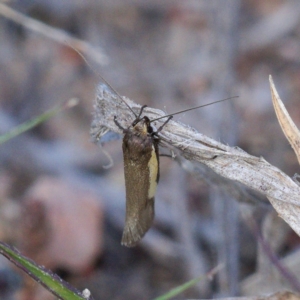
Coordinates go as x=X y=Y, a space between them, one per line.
x=120 y=97
x=102 y=78
x=182 y=111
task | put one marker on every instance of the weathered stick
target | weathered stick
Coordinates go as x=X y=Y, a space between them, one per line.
x=230 y=162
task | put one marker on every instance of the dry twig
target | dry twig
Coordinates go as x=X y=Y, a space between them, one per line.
x=230 y=162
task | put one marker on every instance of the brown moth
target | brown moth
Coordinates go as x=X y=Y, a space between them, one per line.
x=141 y=170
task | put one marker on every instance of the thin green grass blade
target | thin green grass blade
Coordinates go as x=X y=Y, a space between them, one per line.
x=181 y=288
x=50 y=281
x=35 y=121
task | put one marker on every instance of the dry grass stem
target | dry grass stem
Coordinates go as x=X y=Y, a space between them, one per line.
x=230 y=162
x=55 y=34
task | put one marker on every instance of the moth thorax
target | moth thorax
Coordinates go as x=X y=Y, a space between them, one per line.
x=143 y=126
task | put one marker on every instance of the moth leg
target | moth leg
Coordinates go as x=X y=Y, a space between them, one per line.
x=118 y=124
x=138 y=118
x=166 y=155
x=141 y=111
x=162 y=126
x=172 y=155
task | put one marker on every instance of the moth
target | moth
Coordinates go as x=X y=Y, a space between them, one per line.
x=141 y=171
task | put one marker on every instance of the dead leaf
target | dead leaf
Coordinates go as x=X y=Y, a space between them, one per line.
x=287 y=125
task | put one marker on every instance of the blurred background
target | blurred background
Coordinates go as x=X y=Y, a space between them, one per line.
x=60 y=206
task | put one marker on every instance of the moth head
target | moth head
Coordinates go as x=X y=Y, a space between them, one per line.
x=142 y=125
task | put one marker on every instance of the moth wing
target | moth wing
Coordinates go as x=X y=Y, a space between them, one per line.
x=136 y=229
x=141 y=170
